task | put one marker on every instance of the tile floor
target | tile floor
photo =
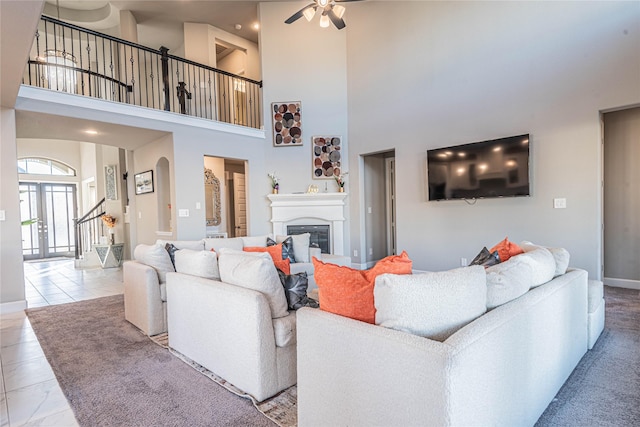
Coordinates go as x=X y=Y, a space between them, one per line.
x=29 y=392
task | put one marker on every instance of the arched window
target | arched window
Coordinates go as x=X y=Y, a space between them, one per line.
x=42 y=166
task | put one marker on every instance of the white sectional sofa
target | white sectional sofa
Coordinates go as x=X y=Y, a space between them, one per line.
x=504 y=368
x=145 y=277
x=467 y=347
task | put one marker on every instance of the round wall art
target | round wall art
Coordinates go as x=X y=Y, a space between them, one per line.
x=326 y=156
x=287 y=123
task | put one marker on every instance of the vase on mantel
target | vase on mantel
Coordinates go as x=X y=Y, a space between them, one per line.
x=274 y=191
x=340 y=189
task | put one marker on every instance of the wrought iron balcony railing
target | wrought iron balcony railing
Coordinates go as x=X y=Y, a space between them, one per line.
x=72 y=59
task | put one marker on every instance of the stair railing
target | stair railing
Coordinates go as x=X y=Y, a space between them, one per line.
x=72 y=59
x=89 y=229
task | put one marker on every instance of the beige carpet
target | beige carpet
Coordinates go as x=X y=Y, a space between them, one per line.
x=281 y=408
x=113 y=375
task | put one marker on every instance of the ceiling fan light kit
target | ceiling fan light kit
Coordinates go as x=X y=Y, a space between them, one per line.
x=330 y=13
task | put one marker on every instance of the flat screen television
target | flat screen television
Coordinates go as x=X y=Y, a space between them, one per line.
x=494 y=168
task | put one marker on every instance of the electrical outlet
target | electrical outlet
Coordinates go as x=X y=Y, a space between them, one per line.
x=139 y=215
x=370 y=251
x=463 y=262
x=3 y=215
x=197 y=205
x=355 y=252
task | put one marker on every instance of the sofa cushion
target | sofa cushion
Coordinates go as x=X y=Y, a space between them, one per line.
x=197 y=263
x=260 y=241
x=194 y=245
x=217 y=244
x=284 y=329
x=300 y=246
x=508 y=281
x=155 y=256
x=560 y=255
x=595 y=295
x=431 y=305
x=542 y=263
x=254 y=271
x=349 y=292
x=163 y=292
x=506 y=249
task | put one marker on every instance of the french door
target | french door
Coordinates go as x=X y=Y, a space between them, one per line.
x=52 y=207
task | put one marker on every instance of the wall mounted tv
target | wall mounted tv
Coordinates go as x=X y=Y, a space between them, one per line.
x=495 y=168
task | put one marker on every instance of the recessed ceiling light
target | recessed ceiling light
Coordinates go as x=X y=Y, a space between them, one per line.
x=238 y=27
x=91 y=132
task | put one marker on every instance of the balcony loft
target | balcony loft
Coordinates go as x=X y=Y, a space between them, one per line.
x=76 y=60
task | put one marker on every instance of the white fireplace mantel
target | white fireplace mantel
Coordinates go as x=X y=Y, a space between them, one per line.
x=324 y=208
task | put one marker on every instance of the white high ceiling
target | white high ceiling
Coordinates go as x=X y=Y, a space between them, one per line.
x=166 y=15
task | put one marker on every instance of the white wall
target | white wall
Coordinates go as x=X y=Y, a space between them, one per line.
x=430 y=74
x=200 y=46
x=11 y=270
x=303 y=62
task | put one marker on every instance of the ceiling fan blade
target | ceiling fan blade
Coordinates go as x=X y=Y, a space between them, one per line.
x=338 y=22
x=293 y=18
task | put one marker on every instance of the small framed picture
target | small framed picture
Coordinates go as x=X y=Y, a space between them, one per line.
x=144 y=182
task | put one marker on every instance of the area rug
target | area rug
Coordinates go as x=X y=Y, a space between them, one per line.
x=113 y=375
x=281 y=408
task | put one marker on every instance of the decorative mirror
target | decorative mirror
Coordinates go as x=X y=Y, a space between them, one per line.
x=212 y=198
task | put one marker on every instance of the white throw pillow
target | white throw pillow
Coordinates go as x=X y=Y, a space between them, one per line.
x=542 y=263
x=560 y=255
x=217 y=244
x=194 y=245
x=254 y=271
x=155 y=256
x=197 y=263
x=300 y=246
x=431 y=305
x=507 y=281
x=255 y=241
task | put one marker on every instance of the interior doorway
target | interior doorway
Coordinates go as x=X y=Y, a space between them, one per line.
x=52 y=207
x=621 y=210
x=380 y=206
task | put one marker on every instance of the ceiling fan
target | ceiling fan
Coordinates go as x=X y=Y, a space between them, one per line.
x=330 y=12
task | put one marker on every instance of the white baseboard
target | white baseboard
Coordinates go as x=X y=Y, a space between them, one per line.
x=13 y=307
x=357 y=266
x=622 y=283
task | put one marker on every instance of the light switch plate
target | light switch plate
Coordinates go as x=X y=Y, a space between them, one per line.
x=560 y=203
x=183 y=212
x=3 y=215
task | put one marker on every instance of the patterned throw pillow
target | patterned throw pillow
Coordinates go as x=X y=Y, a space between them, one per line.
x=295 y=289
x=486 y=258
x=349 y=292
x=172 y=249
x=287 y=248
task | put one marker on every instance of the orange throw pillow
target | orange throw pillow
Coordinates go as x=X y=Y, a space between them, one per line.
x=283 y=265
x=506 y=249
x=349 y=292
x=275 y=251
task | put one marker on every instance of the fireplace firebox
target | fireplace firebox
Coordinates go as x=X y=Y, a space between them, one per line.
x=319 y=235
